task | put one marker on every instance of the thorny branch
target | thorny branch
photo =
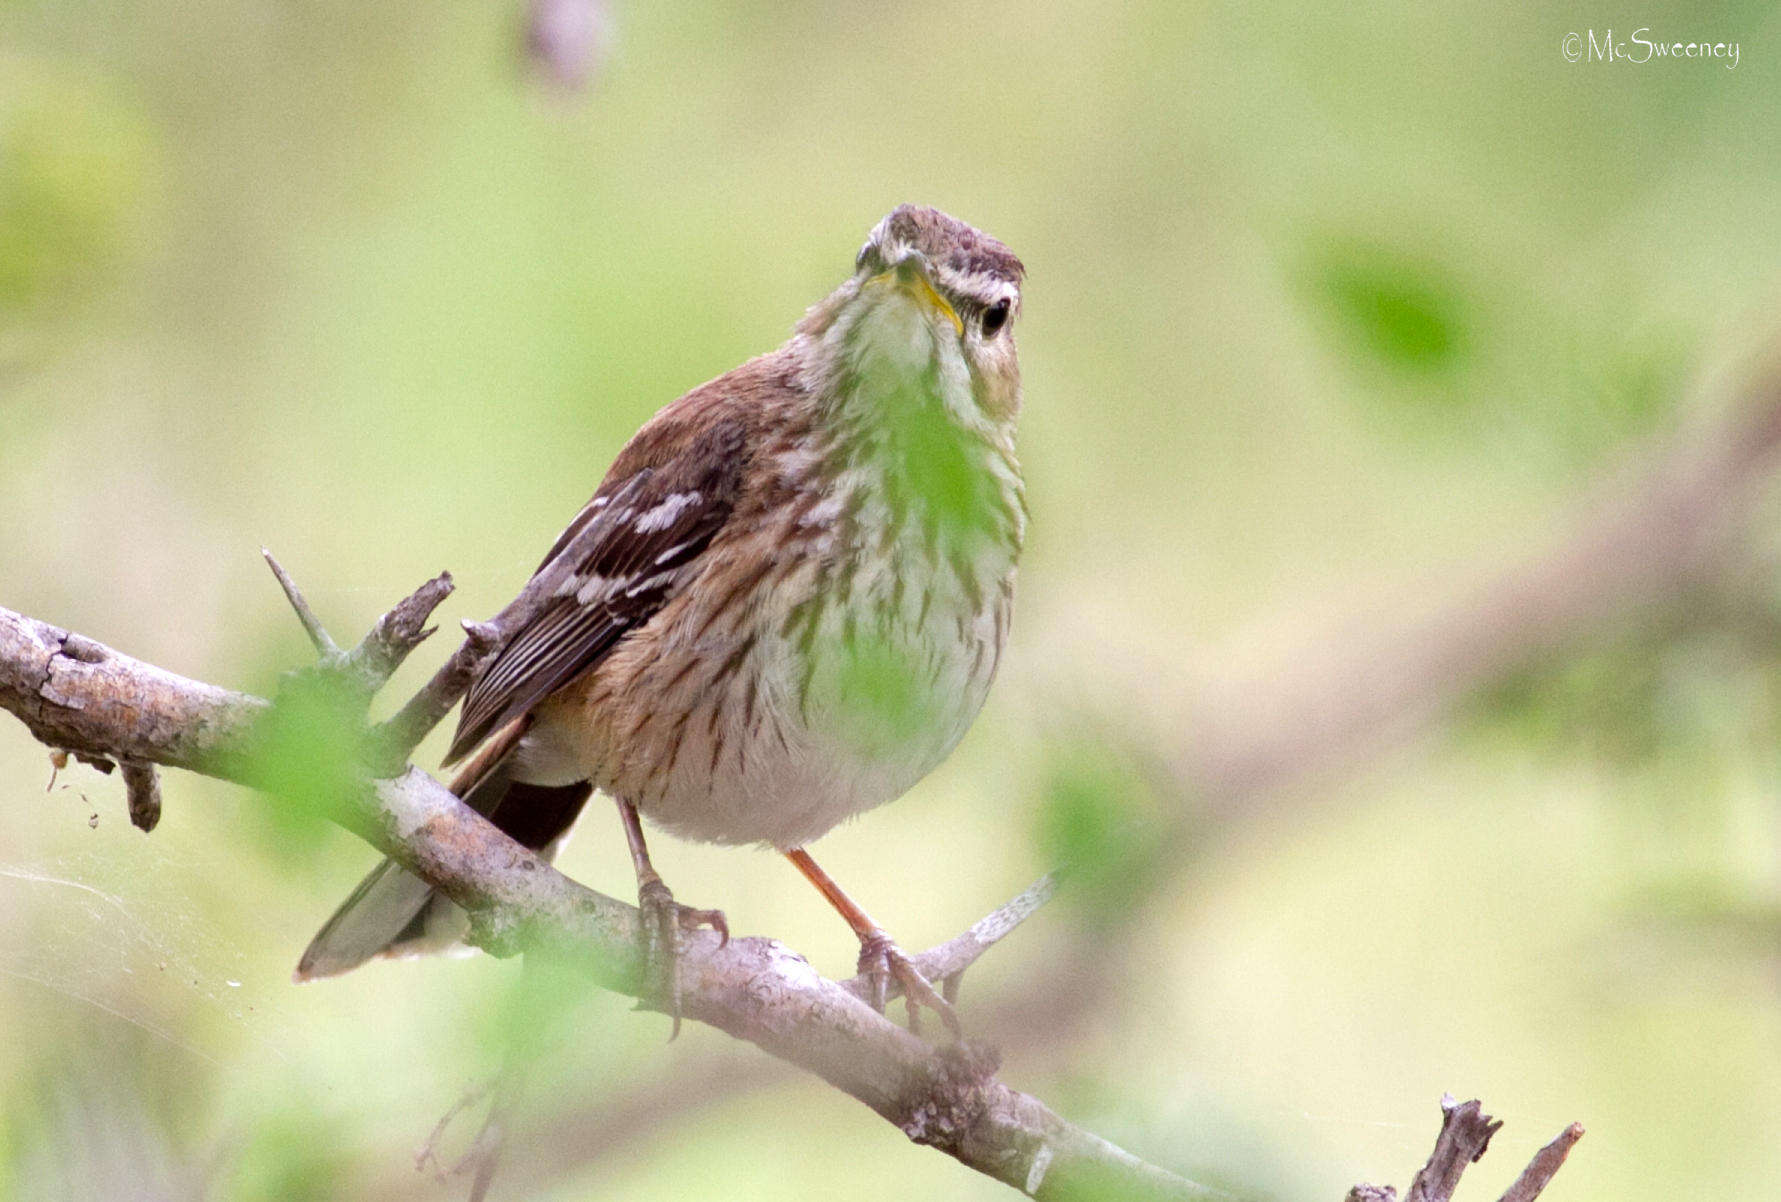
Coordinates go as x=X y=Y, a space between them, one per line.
x=74 y=694
x=1647 y=542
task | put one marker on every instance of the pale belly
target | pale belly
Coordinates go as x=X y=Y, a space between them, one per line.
x=794 y=718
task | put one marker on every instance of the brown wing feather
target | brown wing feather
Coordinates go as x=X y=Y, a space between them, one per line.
x=661 y=505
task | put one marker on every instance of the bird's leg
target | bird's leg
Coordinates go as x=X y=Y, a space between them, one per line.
x=663 y=917
x=880 y=958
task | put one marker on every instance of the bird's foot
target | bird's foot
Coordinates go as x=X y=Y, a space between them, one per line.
x=664 y=919
x=881 y=961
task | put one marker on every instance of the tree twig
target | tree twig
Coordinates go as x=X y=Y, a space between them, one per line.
x=370 y=665
x=142 y=788
x=1465 y=1136
x=312 y=625
x=948 y=961
x=403 y=731
x=1546 y=1162
x=355 y=676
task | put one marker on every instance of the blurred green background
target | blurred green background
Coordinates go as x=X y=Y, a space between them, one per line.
x=1327 y=311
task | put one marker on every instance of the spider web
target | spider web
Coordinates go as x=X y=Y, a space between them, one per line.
x=121 y=926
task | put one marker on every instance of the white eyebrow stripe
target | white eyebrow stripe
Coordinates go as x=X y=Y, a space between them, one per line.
x=985 y=290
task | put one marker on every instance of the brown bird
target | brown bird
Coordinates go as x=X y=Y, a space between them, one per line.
x=793 y=611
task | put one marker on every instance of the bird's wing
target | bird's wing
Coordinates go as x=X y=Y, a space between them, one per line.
x=655 y=519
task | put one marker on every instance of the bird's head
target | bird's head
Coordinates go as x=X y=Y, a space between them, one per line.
x=928 y=293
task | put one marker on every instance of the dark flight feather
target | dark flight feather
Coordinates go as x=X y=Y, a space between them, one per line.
x=658 y=519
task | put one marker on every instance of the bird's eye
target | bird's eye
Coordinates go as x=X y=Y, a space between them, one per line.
x=994 y=318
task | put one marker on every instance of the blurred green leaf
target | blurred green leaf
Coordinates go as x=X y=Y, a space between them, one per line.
x=1388 y=306
x=877 y=695
x=543 y=1007
x=1622 y=376
x=1099 y=820
x=291 y=1155
x=309 y=758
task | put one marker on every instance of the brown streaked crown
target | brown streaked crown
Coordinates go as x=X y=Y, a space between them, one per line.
x=946 y=242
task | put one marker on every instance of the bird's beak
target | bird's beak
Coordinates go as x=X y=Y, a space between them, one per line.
x=911 y=275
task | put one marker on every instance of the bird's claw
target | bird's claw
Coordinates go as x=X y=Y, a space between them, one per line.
x=881 y=960
x=664 y=920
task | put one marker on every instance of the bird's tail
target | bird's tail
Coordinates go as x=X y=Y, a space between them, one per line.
x=394 y=913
